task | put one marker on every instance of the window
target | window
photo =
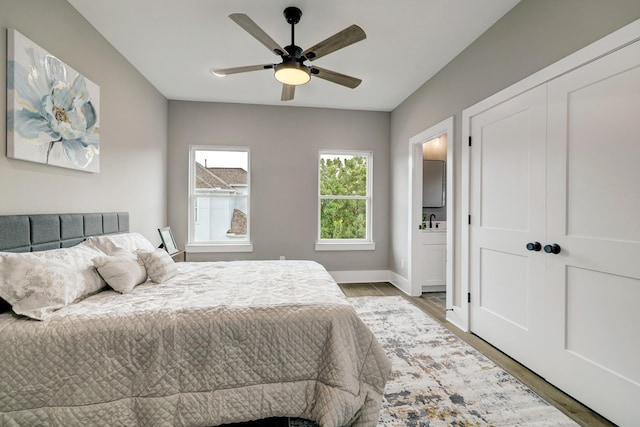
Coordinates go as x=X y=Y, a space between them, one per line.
x=219 y=199
x=344 y=205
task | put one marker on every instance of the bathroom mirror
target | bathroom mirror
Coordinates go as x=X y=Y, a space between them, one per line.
x=433 y=183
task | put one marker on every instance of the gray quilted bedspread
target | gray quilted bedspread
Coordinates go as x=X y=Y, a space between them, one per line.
x=219 y=343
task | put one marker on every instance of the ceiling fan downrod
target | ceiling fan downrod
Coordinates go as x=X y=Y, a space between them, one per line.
x=293 y=15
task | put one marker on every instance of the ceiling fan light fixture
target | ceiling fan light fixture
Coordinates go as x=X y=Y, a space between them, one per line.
x=292 y=73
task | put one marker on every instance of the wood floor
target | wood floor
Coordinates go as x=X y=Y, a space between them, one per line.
x=432 y=304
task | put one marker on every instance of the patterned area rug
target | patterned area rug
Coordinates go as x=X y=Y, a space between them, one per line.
x=439 y=380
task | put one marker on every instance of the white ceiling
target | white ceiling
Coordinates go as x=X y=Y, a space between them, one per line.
x=174 y=44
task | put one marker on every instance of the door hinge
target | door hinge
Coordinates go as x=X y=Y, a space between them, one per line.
x=469 y=219
x=469 y=297
x=469 y=141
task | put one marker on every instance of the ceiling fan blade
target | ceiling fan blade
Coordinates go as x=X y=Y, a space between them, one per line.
x=288 y=91
x=258 y=33
x=332 y=76
x=221 y=72
x=344 y=38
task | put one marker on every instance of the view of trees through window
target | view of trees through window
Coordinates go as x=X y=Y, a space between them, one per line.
x=344 y=197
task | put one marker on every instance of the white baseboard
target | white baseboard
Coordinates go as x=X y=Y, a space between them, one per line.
x=363 y=276
x=399 y=282
x=372 y=276
x=455 y=317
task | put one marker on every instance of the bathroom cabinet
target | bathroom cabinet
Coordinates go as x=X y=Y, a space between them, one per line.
x=433 y=260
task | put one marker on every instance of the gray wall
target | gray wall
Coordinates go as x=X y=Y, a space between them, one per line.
x=141 y=175
x=534 y=34
x=284 y=144
x=133 y=159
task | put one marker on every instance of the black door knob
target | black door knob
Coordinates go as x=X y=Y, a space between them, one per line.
x=534 y=246
x=552 y=249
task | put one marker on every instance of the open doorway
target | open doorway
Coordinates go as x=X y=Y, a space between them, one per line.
x=431 y=212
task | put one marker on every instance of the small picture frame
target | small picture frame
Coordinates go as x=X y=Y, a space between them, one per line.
x=168 y=242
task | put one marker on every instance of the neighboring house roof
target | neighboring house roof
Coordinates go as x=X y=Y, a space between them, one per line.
x=224 y=179
x=232 y=176
x=207 y=179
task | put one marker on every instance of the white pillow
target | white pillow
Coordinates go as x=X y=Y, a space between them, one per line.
x=110 y=243
x=122 y=270
x=160 y=266
x=38 y=283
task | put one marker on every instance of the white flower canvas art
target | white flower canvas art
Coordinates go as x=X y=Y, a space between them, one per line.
x=52 y=110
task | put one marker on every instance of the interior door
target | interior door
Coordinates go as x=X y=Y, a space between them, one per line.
x=593 y=215
x=507 y=204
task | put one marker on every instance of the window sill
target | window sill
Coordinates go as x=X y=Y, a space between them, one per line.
x=216 y=247
x=365 y=246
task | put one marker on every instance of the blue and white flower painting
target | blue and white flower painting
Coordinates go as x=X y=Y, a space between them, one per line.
x=52 y=110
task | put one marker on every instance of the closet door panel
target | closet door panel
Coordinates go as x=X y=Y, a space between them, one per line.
x=504 y=177
x=593 y=284
x=602 y=157
x=506 y=296
x=507 y=211
x=585 y=299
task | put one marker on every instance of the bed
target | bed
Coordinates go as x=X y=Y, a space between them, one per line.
x=211 y=344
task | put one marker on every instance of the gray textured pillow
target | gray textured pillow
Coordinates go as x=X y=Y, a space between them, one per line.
x=38 y=283
x=122 y=270
x=160 y=266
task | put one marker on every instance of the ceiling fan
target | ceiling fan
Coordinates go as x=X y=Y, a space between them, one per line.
x=292 y=71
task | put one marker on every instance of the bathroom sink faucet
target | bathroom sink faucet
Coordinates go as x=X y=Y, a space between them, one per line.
x=431 y=217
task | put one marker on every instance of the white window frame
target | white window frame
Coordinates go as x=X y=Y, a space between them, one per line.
x=215 y=246
x=366 y=244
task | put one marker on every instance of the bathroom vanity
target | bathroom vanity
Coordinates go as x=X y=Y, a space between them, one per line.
x=433 y=258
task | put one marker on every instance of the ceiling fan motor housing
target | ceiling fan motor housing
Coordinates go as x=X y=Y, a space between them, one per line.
x=294 y=51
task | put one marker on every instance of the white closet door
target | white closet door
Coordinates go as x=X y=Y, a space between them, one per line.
x=593 y=284
x=507 y=206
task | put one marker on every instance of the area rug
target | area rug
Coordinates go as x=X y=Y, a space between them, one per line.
x=439 y=380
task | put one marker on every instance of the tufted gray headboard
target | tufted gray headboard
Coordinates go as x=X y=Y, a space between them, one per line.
x=30 y=233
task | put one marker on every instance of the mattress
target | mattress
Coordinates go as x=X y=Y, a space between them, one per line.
x=220 y=342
